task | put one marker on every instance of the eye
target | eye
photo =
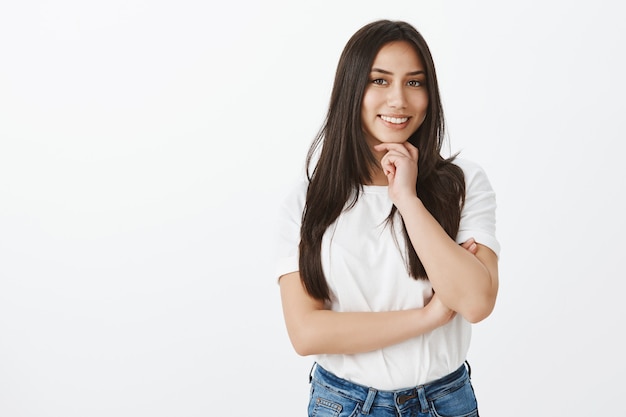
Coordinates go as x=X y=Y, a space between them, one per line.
x=414 y=83
x=379 y=81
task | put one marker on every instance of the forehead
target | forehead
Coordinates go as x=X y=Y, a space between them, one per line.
x=400 y=55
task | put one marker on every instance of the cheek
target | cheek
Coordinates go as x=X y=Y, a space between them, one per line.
x=420 y=101
x=421 y=107
x=370 y=103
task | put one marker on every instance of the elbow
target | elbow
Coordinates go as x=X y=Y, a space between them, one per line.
x=302 y=350
x=479 y=307
x=479 y=310
x=302 y=342
x=477 y=315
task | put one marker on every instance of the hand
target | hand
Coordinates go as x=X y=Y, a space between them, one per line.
x=438 y=312
x=399 y=164
x=470 y=245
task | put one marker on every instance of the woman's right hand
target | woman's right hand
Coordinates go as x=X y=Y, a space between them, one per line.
x=438 y=312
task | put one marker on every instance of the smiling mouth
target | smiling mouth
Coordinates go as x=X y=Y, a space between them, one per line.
x=394 y=120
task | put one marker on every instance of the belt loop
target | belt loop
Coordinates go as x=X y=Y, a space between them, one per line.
x=311 y=372
x=469 y=369
x=421 y=395
x=371 y=394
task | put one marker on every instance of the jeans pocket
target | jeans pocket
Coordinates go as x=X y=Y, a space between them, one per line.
x=460 y=402
x=328 y=403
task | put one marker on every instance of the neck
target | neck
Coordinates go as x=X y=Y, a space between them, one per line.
x=378 y=177
x=376 y=172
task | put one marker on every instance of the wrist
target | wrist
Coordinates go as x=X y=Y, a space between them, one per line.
x=408 y=203
x=426 y=320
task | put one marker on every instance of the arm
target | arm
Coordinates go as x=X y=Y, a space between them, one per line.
x=466 y=282
x=313 y=329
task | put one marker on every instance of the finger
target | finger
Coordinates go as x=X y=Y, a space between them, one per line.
x=387 y=165
x=391 y=161
x=392 y=157
x=395 y=155
x=470 y=245
x=473 y=248
x=389 y=169
x=397 y=147
x=468 y=242
x=413 y=151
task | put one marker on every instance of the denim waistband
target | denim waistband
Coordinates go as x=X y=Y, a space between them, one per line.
x=371 y=396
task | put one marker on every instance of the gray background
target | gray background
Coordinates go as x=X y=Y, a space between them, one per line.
x=144 y=146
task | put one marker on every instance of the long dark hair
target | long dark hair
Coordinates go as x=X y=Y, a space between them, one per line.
x=345 y=162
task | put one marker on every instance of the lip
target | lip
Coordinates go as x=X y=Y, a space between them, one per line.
x=394 y=121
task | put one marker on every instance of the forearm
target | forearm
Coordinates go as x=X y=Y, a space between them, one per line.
x=462 y=281
x=326 y=331
x=313 y=329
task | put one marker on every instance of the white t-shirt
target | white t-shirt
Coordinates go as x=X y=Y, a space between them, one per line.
x=366 y=271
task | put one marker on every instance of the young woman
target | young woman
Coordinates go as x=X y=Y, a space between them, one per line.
x=387 y=251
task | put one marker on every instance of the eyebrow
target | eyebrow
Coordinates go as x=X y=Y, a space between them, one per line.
x=382 y=71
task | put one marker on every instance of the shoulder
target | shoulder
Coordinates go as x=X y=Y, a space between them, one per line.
x=475 y=175
x=294 y=195
x=470 y=168
x=478 y=216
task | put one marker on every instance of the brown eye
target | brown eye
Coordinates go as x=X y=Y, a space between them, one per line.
x=379 y=81
x=414 y=83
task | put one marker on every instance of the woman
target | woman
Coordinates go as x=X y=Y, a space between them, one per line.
x=388 y=250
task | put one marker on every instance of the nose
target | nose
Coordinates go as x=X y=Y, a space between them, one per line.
x=395 y=97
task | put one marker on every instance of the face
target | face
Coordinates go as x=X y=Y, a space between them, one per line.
x=396 y=97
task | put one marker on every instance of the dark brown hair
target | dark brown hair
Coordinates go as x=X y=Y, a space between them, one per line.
x=345 y=161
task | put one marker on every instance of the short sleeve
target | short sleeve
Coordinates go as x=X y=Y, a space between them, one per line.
x=289 y=219
x=478 y=217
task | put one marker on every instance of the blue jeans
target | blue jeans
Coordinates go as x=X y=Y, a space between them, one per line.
x=450 y=396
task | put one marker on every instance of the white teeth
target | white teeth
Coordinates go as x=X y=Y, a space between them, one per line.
x=394 y=120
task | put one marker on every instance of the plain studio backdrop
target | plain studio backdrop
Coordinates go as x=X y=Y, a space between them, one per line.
x=144 y=146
